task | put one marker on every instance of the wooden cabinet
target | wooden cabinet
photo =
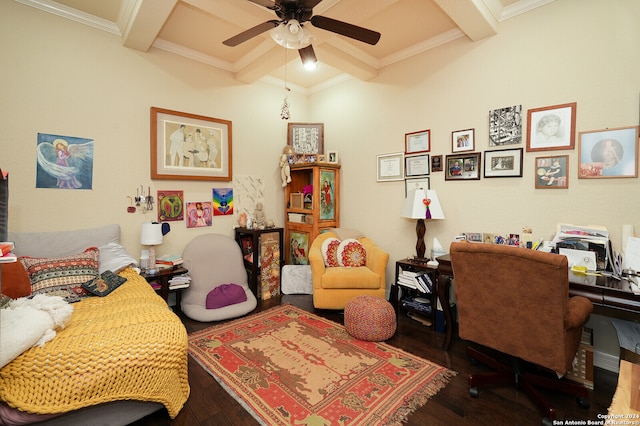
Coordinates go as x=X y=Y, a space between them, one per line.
x=262 y=253
x=306 y=216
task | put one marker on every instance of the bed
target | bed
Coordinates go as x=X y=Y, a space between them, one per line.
x=118 y=358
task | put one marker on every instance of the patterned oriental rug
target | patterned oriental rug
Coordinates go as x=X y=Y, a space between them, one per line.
x=287 y=366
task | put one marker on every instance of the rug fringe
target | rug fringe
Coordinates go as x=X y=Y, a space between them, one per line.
x=420 y=398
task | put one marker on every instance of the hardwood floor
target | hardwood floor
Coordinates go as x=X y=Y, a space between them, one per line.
x=209 y=404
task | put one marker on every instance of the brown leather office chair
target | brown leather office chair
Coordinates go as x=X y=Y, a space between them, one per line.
x=515 y=301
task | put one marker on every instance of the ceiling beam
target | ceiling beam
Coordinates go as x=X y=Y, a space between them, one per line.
x=343 y=61
x=144 y=20
x=472 y=16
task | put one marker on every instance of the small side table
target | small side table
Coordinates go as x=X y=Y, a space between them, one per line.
x=398 y=291
x=163 y=276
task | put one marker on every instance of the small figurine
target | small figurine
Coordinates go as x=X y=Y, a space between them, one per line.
x=259 y=218
x=242 y=220
x=285 y=169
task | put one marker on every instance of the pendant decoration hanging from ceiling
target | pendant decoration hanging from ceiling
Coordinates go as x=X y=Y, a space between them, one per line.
x=284 y=111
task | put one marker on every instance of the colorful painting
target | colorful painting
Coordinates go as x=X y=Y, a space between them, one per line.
x=327 y=195
x=270 y=264
x=199 y=214
x=170 y=206
x=299 y=248
x=222 y=201
x=64 y=162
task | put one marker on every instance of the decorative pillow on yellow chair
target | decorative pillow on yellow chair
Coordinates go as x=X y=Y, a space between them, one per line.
x=351 y=253
x=330 y=252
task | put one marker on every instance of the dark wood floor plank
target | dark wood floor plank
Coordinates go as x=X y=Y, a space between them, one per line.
x=210 y=404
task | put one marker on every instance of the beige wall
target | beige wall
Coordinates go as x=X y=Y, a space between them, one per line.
x=65 y=78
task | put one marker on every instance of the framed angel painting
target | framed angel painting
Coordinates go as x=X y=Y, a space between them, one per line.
x=64 y=162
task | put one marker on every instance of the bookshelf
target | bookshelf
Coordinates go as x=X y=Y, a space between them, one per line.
x=409 y=296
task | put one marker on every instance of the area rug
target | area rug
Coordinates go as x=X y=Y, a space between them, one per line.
x=287 y=366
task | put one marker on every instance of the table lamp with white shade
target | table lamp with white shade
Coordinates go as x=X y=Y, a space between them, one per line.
x=151 y=235
x=423 y=205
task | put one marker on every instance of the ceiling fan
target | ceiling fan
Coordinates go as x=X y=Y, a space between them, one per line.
x=289 y=30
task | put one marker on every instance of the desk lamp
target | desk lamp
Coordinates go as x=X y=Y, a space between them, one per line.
x=423 y=205
x=151 y=235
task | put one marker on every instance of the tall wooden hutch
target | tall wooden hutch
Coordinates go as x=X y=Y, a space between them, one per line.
x=306 y=216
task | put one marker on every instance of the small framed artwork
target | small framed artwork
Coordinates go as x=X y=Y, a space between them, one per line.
x=436 y=163
x=551 y=128
x=503 y=163
x=390 y=167
x=306 y=138
x=552 y=172
x=416 y=183
x=505 y=126
x=189 y=147
x=463 y=166
x=332 y=157
x=416 y=165
x=462 y=140
x=416 y=142
x=610 y=153
x=322 y=158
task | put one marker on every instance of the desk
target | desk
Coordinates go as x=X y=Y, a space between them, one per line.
x=610 y=297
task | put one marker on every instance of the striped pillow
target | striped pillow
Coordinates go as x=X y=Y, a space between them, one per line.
x=62 y=276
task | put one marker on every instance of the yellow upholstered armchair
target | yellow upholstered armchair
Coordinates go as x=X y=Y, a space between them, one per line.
x=334 y=286
x=516 y=302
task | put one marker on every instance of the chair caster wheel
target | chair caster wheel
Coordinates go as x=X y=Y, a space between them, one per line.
x=583 y=402
x=473 y=391
x=546 y=421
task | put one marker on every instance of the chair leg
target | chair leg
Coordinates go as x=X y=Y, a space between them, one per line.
x=537 y=399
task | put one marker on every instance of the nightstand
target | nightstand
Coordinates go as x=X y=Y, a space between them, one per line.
x=162 y=277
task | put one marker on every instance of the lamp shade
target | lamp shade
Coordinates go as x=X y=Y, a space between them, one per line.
x=415 y=206
x=291 y=35
x=151 y=234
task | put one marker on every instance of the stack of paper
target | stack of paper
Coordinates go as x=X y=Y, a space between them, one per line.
x=179 y=281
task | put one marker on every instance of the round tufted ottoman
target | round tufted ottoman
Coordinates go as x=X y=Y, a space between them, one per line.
x=369 y=318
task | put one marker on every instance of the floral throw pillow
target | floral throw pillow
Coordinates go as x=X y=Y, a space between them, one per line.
x=329 y=250
x=351 y=253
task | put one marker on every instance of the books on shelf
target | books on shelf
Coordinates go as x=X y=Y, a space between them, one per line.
x=416 y=280
x=418 y=304
x=6 y=247
x=180 y=281
x=170 y=259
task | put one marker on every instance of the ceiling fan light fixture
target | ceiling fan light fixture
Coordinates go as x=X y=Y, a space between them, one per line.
x=292 y=35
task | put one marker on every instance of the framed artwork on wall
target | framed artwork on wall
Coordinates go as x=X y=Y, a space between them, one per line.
x=609 y=153
x=189 y=147
x=463 y=166
x=552 y=172
x=416 y=183
x=416 y=165
x=436 y=163
x=551 y=128
x=505 y=126
x=416 y=142
x=462 y=140
x=390 y=167
x=333 y=157
x=503 y=163
x=306 y=138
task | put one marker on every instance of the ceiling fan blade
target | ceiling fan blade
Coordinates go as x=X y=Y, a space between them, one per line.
x=310 y=4
x=250 y=33
x=266 y=3
x=349 y=30
x=307 y=54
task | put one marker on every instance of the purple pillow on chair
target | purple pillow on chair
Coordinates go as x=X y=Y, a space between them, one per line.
x=225 y=295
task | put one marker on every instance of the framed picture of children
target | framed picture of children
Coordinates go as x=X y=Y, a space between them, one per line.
x=552 y=172
x=552 y=128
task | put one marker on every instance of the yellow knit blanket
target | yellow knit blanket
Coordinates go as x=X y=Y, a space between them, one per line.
x=125 y=346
